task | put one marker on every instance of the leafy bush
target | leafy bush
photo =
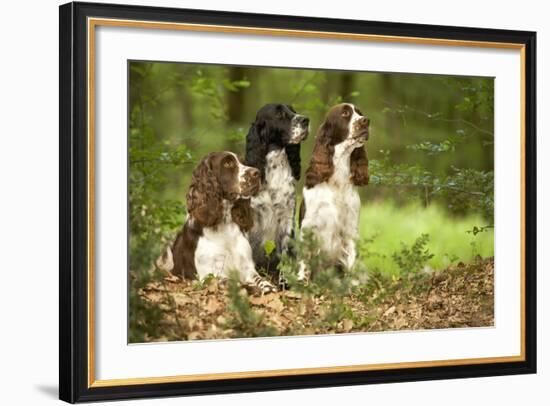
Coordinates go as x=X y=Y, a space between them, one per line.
x=413 y=259
x=464 y=190
x=384 y=225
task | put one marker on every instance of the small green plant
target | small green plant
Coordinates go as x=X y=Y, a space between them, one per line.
x=306 y=254
x=413 y=259
x=244 y=320
x=479 y=229
x=335 y=312
x=200 y=284
x=269 y=247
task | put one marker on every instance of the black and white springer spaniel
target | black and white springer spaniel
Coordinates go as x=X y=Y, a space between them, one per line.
x=273 y=147
x=213 y=239
x=331 y=203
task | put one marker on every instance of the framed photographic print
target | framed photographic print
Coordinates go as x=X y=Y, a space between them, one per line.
x=257 y=202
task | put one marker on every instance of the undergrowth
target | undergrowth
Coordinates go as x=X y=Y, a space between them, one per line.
x=245 y=321
x=331 y=299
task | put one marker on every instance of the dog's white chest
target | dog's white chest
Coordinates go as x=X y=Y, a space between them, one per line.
x=275 y=202
x=278 y=174
x=222 y=249
x=332 y=209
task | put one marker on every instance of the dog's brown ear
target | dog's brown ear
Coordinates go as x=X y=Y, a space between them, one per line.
x=359 y=167
x=321 y=165
x=242 y=214
x=204 y=197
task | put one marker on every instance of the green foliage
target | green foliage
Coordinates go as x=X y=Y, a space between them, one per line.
x=235 y=85
x=245 y=321
x=410 y=280
x=430 y=148
x=269 y=247
x=200 y=284
x=334 y=286
x=153 y=218
x=413 y=259
x=211 y=89
x=305 y=251
x=476 y=230
x=384 y=225
x=334 y=312
x=463 y=190
x=324 y=278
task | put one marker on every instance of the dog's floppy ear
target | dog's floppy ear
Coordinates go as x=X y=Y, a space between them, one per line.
x=359 y=167
x=256 y=146
x=242 y=214
x=204 y=197
x=321 y=166
x=293 y=156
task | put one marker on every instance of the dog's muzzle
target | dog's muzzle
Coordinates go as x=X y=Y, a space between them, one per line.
x=250 y=186
x=361 y=129
x=300 y=129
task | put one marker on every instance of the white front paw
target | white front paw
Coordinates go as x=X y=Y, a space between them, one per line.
x=260 y=285
x=266 y=287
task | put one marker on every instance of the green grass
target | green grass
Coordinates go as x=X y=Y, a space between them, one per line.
x=388 y=225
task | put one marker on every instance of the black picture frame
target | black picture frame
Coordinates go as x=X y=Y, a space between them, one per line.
x=74 y=199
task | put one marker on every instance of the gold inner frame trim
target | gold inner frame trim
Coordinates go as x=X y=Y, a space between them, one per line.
x=94 y=22
x=299 y=371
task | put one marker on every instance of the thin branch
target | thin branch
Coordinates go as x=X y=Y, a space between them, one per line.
x=159 y=161
x=435 y=117
x=414 y=185
x=299 y=92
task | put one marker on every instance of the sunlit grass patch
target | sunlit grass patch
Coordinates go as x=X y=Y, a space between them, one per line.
x=388 y=226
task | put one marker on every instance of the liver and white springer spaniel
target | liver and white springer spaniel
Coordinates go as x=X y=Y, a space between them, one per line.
x=273 y=147
x=331 y=204
x=213 y=239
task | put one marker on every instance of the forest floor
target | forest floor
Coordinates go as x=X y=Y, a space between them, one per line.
x=459 y=296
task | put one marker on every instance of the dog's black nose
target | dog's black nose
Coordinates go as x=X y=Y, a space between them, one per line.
x=364 y=122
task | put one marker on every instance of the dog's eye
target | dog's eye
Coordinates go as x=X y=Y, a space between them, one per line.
x=228 y=164
x=345 y=113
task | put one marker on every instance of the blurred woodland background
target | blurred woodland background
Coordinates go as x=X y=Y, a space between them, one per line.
x=429 y=203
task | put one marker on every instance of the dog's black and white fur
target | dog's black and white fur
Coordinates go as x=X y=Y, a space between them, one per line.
x=273 y=147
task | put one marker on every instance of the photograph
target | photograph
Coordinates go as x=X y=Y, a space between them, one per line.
x=269 y=201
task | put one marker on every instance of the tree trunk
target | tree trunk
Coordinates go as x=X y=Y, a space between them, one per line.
x=388 y=94
x=346 y=86
x=236 y=100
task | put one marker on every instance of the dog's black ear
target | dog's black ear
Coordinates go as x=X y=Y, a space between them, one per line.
x=256 y=146
x=293 y=155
